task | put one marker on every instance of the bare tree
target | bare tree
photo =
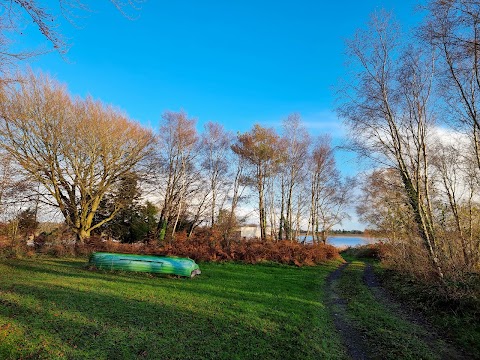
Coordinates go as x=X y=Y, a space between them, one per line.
x=15 y=13
x=296 y=142
x=453 y=27
x=271 y=192
x=216 y=144
x=329 y=195
x=457 y=183
x=238 y=186
x=15 y=197
x=7 y=179
x=76 y=149
x=17 y=17
x=387 y=110
x=384 y=205
x=177 y=144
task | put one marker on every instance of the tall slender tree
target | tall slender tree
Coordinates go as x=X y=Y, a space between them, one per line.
x=177 y=144
x=259 y=148
x=215 y=147
x=453 y=28
x=387 y=108
x=295 y=143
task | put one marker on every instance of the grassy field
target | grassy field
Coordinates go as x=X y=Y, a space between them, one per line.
x=56 y=308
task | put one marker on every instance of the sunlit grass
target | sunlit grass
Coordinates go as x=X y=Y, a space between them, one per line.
x=53 y=308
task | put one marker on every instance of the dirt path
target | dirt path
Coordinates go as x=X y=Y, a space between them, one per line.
x=352 y=339
x=356 y=341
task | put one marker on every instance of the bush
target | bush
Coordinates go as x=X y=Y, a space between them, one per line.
x=376 y=251
x=206 y=245
x=410 y=261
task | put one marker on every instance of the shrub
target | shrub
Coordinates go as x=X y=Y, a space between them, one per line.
x=208 y=245
x=376 y=251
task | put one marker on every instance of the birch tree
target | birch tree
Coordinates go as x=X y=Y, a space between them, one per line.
x=177 y=144
x=295 y=143
x=453 y=28
x=329 y=195
x=387 y=108
x=17 y=15
x=216 y=144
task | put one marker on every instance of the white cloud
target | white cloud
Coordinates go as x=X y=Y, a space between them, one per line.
x=448 y=136
x=325 y=121
x=317 y=123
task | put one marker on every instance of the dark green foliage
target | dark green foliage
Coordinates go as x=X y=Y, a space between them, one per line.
x=135 y=221
x=371 y=251
x=27 y=221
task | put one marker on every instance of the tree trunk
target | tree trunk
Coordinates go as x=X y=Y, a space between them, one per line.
x=81 y=236
x=289 y=221
x=323 y=235
x=214 y=201
x=282 y=209
x=162 y=228
x=424 y=224
x=261 y=207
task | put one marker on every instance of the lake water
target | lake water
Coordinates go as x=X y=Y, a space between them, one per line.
x=344 y=241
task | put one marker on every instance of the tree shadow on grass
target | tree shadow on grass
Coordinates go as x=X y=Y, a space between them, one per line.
x=79 y=271
x=242 y=283
x=92 y=324
x=226 y=287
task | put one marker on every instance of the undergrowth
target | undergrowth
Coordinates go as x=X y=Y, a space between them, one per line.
x=457 y=316
x=205 y=245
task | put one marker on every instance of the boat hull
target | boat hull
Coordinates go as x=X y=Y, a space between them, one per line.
x=145 y=263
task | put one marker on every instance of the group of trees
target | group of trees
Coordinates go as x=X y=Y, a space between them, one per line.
x=98 y=168
x=203 y=177
x=73 y=151
x=412 y=108
x=18 y=197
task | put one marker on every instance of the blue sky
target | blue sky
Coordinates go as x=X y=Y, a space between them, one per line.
x=237 y=63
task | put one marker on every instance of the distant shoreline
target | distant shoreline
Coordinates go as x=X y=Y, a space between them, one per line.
x=357 y=236
x=349 y=235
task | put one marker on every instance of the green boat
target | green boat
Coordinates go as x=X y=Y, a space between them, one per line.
x=145 y=263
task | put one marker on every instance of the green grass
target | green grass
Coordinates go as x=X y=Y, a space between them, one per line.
x=55 y=308
x=388 y=335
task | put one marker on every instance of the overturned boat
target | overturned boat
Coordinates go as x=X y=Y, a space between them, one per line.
x=145 y=263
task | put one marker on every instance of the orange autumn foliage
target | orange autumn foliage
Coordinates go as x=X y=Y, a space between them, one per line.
x=207 y=245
